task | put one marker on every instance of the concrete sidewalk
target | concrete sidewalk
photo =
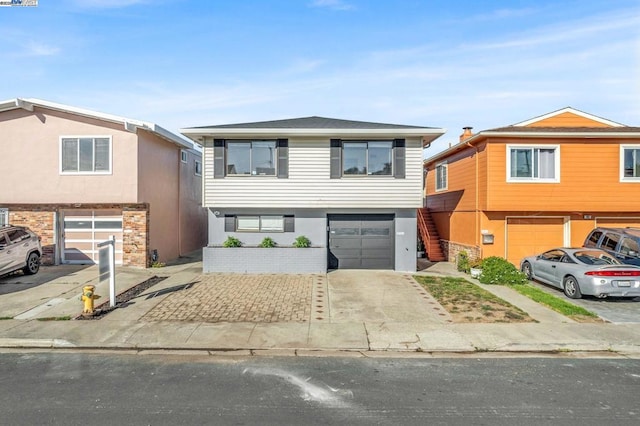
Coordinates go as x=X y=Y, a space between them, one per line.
x=354 y=319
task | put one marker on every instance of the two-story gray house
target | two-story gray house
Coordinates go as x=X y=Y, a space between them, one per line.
x=352 y=188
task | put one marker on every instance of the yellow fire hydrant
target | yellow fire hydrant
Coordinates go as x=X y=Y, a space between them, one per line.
x=88 y=297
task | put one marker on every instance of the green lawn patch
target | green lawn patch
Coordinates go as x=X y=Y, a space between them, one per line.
x=64 y=318
x=467 y=302
x=557 y=304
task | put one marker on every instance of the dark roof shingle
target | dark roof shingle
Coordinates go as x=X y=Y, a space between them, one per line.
x=312 y=123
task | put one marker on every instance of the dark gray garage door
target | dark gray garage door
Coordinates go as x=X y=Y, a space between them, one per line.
x=361 y=241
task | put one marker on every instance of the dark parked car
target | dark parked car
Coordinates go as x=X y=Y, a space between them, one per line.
x=579 y=271
x=622 y=243
x=19 y=249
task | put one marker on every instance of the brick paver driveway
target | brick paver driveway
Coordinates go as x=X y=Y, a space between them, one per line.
x=245 y=298
x=339 y=297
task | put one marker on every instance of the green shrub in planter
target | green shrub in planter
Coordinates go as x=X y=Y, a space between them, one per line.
x=496 y=270
x=232 y=242
x=462 y=262
x=267 y=242
x=302 y=242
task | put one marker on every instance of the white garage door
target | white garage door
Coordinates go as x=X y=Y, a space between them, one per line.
x=85 y=229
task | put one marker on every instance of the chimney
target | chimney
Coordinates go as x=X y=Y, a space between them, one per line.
x=466 y=134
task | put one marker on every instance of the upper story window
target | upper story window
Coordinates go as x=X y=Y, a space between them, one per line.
x=533 y=163
x=367 y=158
x=630 y=163
x=441 y=177
x=198 y=169
x=254 y=158
x=85 y=155
x=183 y=156
x=250 y=158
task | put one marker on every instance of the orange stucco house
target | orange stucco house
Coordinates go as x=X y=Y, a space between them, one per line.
x=542 y=183
x=76 y=177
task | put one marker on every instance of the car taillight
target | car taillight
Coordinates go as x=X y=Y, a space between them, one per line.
x=613 y=273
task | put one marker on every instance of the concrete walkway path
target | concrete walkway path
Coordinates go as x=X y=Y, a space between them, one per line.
x=362 y=313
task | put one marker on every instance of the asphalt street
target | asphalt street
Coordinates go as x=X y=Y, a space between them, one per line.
x=76 y=388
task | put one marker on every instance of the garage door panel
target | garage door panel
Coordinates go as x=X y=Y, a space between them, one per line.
x=346 y=243
x=84 y=230
x=376 y=243
x=618 y=222
x=361 y=241
x=529 y=236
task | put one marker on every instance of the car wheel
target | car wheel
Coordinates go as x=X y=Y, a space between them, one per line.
x=33 y=264
x=571 y=288
x=526 y=269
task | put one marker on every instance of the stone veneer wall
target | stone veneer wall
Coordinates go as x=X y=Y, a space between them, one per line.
x=135 y=236
x=40 y=219
x=451 y=250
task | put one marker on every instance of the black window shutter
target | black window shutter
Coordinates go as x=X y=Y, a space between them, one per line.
x=399 y=158
x=283 y=158
x=229 y=223
x=336 y=158
x=218 y=158
x=289 y=224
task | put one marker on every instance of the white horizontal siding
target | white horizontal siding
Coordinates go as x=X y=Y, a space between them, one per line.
x=309 y=183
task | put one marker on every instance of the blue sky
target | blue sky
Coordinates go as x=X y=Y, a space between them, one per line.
x=450 y=64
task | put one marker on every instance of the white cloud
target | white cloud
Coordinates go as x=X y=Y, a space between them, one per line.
x=40 y=49
x=333 y=4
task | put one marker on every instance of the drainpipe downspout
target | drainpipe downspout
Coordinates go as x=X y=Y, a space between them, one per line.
x=477 y=200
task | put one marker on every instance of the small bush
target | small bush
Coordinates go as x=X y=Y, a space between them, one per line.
x=496 y=270
x=232 y=242
x=477 y=263
x=462 y=262
x=302 y=242
x=267 y=243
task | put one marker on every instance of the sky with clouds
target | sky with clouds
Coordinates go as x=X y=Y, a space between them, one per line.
x=438 y=63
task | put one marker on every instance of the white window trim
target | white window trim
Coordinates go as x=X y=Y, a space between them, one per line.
x=260 y=229
x=183 y=156
x=446 y=182
x=195 y=169
x=623 y=178
x=533 y=180
x=109 y=172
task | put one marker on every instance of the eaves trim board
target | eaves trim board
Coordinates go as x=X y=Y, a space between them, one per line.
x=130 y=125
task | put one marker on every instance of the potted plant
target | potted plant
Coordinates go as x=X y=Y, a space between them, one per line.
x=420 y=249
x=475 y=268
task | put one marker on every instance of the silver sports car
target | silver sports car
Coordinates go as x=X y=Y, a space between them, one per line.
x=579 y=271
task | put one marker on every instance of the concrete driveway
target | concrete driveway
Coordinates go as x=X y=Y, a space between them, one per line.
x=384 y=296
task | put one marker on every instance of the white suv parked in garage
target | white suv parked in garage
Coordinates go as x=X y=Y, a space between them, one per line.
x=19 y=249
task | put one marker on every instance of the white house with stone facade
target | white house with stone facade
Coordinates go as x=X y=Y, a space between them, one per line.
x=76 y=176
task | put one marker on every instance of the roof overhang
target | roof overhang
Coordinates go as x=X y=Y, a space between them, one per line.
x=198 y=135
x=473 y=140
x=130 y=125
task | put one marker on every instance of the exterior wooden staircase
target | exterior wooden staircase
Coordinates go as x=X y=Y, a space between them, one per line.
x=428 y=233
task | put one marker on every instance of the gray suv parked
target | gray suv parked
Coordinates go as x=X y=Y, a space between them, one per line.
x=623 y=243
x=19 y=249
